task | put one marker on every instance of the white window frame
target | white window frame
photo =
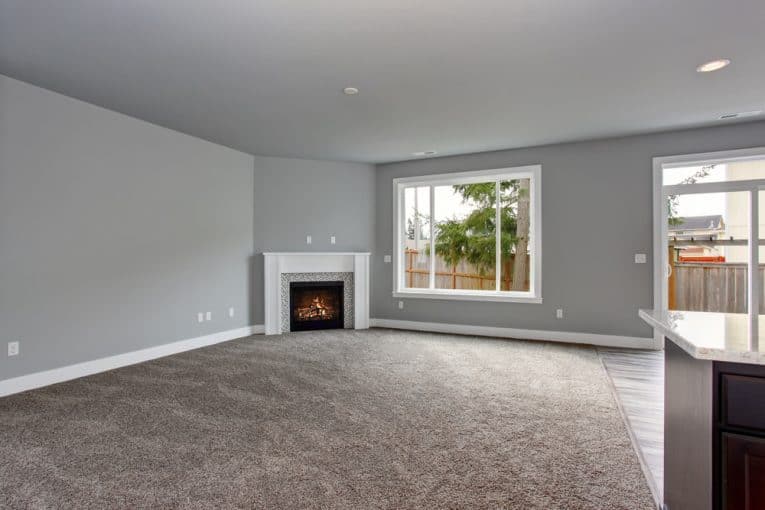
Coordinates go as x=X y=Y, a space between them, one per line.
x=660 y=234
x=534 y=295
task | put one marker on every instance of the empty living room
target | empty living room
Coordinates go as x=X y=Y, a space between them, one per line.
x=284 y=254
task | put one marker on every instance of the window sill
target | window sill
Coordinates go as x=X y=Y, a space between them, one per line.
x=506 y=297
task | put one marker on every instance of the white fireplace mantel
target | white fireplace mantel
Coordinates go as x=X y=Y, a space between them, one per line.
x=276 y=263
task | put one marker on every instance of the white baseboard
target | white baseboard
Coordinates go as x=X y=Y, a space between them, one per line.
x=633 y=342
x=67 y=373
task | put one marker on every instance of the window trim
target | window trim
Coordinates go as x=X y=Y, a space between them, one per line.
x=660 y=227
x=534 y=295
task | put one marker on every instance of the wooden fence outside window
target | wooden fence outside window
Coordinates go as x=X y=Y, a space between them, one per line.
x=460 y=276
x=710 y=286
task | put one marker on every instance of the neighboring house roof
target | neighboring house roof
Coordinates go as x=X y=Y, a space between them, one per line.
x=712 y=222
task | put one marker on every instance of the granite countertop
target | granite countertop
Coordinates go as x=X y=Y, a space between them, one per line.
x=711 y=336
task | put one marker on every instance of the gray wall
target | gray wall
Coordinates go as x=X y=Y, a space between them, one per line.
x=596 y=215
x=298 y=197
x=114 y=233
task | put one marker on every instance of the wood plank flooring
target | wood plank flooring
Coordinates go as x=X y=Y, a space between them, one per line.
x=638 y=380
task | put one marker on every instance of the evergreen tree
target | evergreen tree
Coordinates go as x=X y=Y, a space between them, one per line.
x=473 y=239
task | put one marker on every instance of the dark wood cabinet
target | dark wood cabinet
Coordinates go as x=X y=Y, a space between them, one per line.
x=739 y=440
x=739 y=392
x=743 y=473
x=714 y=434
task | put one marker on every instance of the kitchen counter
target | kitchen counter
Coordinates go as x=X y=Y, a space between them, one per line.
x=714 y=410
x=711 y=336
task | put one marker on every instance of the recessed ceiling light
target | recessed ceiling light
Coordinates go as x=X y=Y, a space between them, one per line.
x=424 y=153
x=350 y=91
x=713 y=65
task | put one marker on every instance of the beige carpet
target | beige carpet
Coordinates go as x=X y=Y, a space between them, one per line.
x=334 y=419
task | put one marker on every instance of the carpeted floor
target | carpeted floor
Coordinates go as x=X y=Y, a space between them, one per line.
x=334 y=419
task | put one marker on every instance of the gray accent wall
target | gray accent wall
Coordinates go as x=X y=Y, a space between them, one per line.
x=596 y=214
x=114 y=233
x=295 y=198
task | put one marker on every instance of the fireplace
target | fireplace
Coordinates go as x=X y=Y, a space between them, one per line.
x=281 y=269
x=316 y=305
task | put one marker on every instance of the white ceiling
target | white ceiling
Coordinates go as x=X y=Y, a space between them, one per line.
x=266 y=76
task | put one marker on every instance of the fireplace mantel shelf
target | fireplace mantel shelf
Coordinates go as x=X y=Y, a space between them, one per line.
x=277 y=263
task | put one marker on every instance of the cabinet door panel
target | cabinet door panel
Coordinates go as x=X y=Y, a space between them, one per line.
x=743 y=399
x=743 y=472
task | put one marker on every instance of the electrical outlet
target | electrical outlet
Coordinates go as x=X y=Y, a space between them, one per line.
x=640 y=258
x=200 y=317
x=400 y=305
x=332 y=240
x=208 y=316
x=559 y=313
x=386 y=259
x=308 y=240
x=13 y=348
x=231 y=312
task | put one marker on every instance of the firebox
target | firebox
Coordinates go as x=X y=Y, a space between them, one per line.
x=316 y=305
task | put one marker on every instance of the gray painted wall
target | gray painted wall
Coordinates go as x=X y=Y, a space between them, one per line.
x=596 y=215
x=114 y=232
x=298 y=197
